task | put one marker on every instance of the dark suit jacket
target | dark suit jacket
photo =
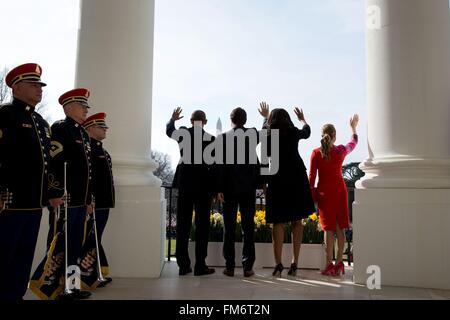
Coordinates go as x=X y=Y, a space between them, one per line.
x=239 y=177
x=191 y=176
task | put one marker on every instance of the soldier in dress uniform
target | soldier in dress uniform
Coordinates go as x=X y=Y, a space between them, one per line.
x=103 y=182
x=70 y=144
x=24 y=157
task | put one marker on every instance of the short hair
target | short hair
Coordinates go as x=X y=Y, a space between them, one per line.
x=238 y=116
x=198 y=115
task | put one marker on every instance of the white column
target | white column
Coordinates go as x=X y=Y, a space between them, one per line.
x=408 y=76
x=402 y=205
x=115 y=61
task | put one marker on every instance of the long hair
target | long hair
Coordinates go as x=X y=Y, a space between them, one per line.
x=280 y=119
x=328 y=134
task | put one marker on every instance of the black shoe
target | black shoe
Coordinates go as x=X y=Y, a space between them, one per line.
x=81 y=294
x=248 y=273
x=75 y=294
x=104 y=283
x=277 y=271
x=65 y=296
x=203 y=271
x=293 y=270
x=228 y=272
x=184 y=271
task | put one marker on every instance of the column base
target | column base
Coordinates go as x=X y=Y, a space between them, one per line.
x=405 y=172
x=406 y=233
x=134 y=238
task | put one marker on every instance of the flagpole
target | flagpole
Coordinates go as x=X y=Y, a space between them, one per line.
x=67 y=290
x=99 y=266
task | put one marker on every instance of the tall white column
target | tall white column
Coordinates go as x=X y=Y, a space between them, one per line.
x=115 y=61
x=402 y=205
x=408 y=76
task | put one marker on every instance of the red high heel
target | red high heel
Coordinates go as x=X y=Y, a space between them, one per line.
x=329 y=270
x=339 y=268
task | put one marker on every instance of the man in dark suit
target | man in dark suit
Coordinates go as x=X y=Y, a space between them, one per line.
x=238 y=181
x=24 y=156
x=194 y=180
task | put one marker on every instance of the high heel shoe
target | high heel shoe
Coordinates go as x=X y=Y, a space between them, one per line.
x=339 y=268
x=277 y=271
x=293 y=270
x=329 y=270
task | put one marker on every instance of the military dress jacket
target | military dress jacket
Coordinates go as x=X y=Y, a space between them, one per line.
x=102 y=176
x=70 y=144
x=24 y=156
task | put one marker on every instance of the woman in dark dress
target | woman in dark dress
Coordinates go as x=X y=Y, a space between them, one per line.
x=288 y=196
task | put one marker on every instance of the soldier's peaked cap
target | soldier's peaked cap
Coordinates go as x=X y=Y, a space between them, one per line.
x=79 y=95
x=28 y=72
x=97 y=119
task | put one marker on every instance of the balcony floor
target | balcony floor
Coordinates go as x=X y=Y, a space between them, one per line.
x=308 y=285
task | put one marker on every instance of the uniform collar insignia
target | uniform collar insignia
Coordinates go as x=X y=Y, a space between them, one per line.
x=22 y=104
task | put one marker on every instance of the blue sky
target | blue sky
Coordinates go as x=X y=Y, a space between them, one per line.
x=217 y=55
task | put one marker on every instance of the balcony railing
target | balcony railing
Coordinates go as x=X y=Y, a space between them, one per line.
x=171 y=195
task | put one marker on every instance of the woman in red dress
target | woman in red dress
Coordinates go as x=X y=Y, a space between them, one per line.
x=331 y=192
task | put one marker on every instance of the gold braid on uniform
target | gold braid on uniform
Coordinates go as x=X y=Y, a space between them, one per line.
x=52 y=183
x=55 y=148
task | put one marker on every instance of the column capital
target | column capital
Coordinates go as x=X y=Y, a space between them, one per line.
x=134 y=171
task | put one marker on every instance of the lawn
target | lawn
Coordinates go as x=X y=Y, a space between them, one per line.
x=173 y=243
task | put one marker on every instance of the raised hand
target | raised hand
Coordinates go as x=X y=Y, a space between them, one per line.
x=354 y=122
x=264 y=109
x=299 y=113
x=176 y=115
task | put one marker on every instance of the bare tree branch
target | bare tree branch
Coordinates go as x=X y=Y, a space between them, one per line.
x=352 y=173
x=164 y=170
x=5 y=91
x=43 y=108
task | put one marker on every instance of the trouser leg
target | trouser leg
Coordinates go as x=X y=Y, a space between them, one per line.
x=230 y=207
x=247 y=209
x=184 y=222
